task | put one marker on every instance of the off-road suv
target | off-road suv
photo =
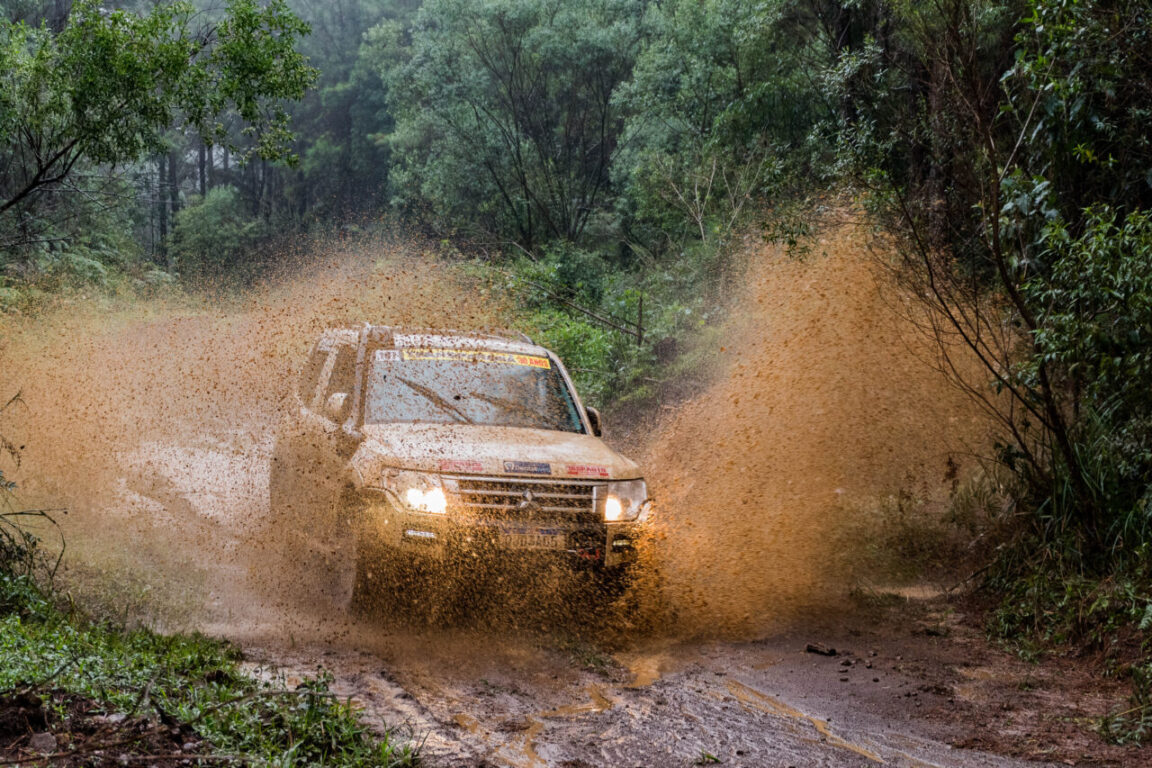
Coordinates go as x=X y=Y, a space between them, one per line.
x=429 y=446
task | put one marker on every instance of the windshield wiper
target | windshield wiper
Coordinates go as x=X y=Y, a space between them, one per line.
x=536 y=419
x=431 y=396
x=502 y=402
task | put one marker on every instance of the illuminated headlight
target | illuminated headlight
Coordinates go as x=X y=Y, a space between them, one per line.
x=416 y=491
x=623 y=501
x=430 y=500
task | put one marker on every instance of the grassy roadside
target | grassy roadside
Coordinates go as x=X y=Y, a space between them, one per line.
x=75 y=691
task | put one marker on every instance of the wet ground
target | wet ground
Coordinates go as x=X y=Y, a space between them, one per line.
x=766 y=703
x=552 y=696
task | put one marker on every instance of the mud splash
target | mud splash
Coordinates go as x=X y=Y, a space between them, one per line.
x=152 y=425
x=151 y=421
x=828 y=402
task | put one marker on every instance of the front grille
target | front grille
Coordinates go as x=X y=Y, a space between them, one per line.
x=500 y=498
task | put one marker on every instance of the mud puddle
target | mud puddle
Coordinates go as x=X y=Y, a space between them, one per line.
x=474 y=698
x=530 y=704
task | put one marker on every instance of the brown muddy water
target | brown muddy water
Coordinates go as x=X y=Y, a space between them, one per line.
x=153 y=427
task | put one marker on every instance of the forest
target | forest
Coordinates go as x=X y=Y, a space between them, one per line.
x=603 y=161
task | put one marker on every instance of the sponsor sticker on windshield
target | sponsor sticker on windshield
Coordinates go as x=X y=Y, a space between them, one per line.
x=586 y=470
x=476 y=356
x=528 y=467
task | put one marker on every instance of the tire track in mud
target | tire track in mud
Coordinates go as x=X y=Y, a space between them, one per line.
x=718 y=703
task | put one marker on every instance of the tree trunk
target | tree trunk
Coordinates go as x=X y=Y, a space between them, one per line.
x=203 y=162
x=302 y=205
x=263 y=196
x=161 y=201
x=173 y=196
x=60 y=11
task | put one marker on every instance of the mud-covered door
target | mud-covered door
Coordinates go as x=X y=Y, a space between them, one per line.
x=293 y=453
x=306 y=460
x=307 y=468
x=321 y=424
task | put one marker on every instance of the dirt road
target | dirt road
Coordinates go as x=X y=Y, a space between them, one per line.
x=506 y=696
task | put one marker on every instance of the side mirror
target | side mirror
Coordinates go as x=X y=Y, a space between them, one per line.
x=336 y=407
x=594 y=420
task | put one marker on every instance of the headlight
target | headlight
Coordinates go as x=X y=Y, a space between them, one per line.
x=622 y=501
x=416 y=491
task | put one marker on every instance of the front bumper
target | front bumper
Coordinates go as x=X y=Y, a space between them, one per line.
x=582 y=542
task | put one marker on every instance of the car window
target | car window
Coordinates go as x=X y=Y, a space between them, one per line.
x=446 y=386
x=343 y=372
x=310 y=376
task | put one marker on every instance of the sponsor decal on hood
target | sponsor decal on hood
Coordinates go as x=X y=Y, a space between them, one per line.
x=528 y=467
x=468 y=466
x=586 y=470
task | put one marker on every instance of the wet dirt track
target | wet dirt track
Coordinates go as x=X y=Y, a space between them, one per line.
x=158 y=437
x=476 y=697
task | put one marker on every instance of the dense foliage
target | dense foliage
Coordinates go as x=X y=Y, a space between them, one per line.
x=1006 y=141
x=103 y=91
x=505 y=112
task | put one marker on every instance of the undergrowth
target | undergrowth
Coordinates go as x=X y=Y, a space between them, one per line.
x=184 y=681
x=1048 y=593
x=189 y=679
x=1050 y=601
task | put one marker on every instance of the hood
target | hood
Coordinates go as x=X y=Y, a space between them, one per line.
x=482 y=450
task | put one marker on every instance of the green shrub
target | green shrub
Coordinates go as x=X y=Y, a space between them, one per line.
x=214 y=236
x=197 y=681
x=1095 y=331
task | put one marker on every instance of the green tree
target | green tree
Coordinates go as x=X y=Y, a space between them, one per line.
x=212 y=235
x=505 y=115
x=342 y=123
x=104 y=90
x=720 y=102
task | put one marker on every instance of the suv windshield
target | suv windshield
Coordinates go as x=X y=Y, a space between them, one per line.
x=468 y=386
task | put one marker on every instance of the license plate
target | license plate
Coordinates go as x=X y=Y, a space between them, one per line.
x=534 y=540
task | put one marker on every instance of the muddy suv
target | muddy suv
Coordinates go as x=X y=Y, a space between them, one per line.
x=408 y=447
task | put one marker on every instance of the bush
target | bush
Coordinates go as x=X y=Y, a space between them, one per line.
x=196 y=682
x=1096 y=333
x=213 y=236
